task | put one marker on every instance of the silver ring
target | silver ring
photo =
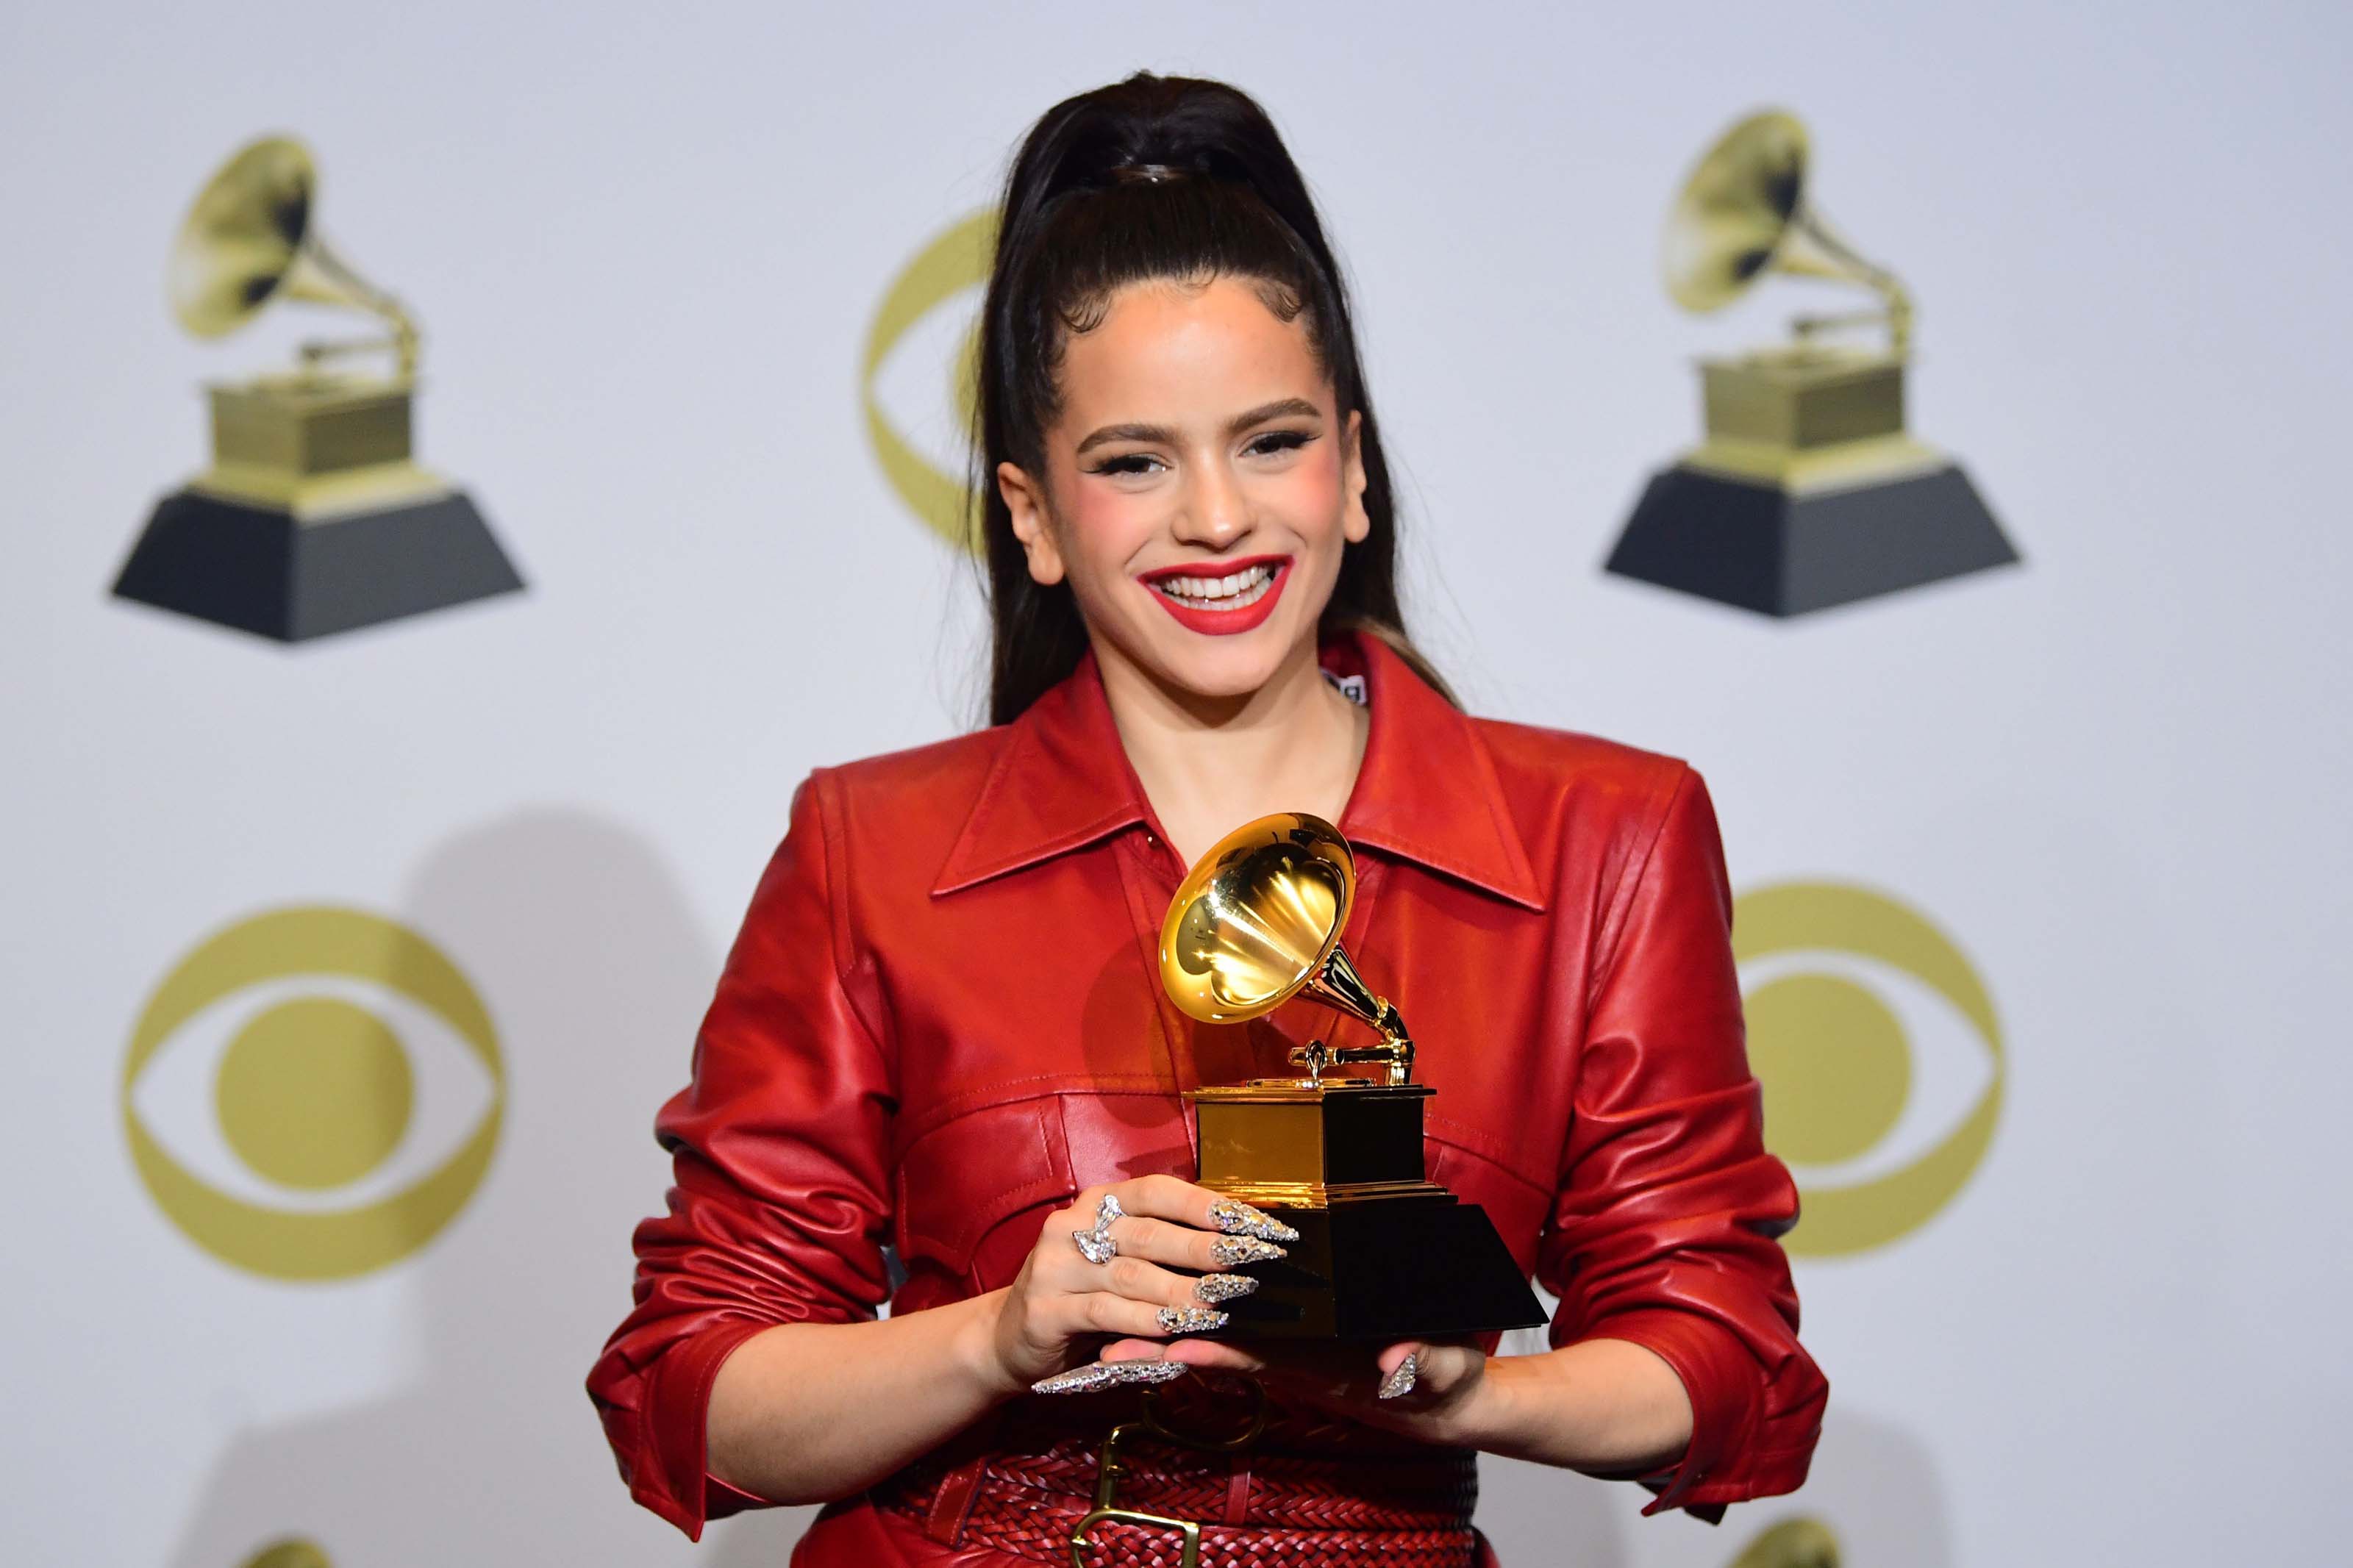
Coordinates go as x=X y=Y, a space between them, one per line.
x=1096 y=1246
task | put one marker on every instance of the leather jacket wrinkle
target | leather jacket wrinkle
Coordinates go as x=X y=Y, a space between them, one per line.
x=943 y=1019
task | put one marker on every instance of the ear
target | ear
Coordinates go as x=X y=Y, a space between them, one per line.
x=1355 y=522
x=1024 y=498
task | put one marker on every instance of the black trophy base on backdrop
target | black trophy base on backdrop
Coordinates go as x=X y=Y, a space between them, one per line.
x=261 y=571
x=1762 y=548
x=1391 y=1269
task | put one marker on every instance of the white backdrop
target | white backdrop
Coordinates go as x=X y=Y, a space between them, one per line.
x=646 y=244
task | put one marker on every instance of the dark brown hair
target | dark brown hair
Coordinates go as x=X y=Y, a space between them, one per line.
x=1084 y=214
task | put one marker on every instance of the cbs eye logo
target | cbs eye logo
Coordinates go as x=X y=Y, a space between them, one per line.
x=1880 y=1055
x=314 y=1093
x=925 y=335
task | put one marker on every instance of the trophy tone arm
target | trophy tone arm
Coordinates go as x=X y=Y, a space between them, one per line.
x=1394 y=1051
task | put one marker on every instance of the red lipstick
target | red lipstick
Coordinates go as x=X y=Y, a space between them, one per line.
x=1221 y=622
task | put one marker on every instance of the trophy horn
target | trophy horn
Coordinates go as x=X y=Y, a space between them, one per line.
x=249 y=238
x=1258 y=921
x=1743 y=212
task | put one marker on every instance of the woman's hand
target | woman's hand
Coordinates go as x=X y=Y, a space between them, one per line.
x=1602 y=1405
x=1421 y=1389
x=1063 y=1302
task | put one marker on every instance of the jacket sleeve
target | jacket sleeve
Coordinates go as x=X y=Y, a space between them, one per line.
x=780 y=1155
x=1663 y=1225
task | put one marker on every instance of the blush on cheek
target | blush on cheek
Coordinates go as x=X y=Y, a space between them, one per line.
x=1314 y=487
x=1096 y=511
x=1104 y=529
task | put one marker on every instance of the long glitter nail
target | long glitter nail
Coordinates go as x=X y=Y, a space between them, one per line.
x=1190 y=1320
x=1108 y=1374
x=1400 y=1383
x=1233 y=1251
x=1236 y=1218
x=1215 y=1288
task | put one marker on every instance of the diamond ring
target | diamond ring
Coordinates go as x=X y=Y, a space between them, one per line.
x=1096 y=1246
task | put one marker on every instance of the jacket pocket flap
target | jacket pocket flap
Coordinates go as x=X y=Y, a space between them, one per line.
x=961 y=1178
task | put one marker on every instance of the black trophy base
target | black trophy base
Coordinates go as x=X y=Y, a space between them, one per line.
x=1761 y=548
x=1394 y=1269
x=261 y=571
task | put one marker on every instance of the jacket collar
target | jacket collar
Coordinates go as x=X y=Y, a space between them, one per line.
x=1427 y=791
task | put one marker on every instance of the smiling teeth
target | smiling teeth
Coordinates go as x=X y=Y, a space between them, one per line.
x=1231 y=592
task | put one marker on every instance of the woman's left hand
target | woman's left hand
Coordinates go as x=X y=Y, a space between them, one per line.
x=1416 y=1387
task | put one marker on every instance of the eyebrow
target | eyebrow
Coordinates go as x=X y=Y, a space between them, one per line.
x=1164 y=437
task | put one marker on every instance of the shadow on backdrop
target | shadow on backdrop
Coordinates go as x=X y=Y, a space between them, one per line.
x=595 y=972
x=1873 y=1484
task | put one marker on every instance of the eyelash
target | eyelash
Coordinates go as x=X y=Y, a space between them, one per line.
x=1272 y=442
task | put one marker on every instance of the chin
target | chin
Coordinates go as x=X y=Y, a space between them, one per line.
x=1216 y=666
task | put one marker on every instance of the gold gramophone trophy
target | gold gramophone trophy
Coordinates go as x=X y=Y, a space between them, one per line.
x=314 y=516
x=1808 y=492
x=1383 y=1252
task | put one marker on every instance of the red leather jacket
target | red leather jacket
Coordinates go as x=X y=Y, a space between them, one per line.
x=943 y=1019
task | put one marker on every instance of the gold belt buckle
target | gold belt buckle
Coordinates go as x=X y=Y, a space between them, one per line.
x=1109 y=1469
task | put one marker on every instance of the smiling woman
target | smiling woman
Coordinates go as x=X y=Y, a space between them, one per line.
x=1167 y=334
x=938 y=1033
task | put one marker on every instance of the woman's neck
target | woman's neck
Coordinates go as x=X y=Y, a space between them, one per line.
x=1209 y=765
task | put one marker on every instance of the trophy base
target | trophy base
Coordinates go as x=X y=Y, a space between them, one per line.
x=1785 y=550
x=264 y=570
x=1403 y=1268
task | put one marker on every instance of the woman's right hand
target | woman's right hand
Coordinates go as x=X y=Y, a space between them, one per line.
x=1062 y=1303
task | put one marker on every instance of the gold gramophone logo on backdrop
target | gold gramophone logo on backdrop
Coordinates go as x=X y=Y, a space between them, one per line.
x=1807 y=491
x=314 y=1093
x=314 y=516
x=1880 y=1054
x=921 y=472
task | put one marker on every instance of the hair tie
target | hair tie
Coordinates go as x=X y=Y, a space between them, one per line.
x=1146 y=173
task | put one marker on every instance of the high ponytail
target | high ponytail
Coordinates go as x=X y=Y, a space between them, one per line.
x=1150 y=177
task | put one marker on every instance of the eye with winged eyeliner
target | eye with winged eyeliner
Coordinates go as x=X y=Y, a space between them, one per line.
x=1162 y=434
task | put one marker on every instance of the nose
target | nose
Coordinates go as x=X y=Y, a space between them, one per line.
x=1214 y=514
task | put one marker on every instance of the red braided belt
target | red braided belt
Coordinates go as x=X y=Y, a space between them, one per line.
x=1255 y=1510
